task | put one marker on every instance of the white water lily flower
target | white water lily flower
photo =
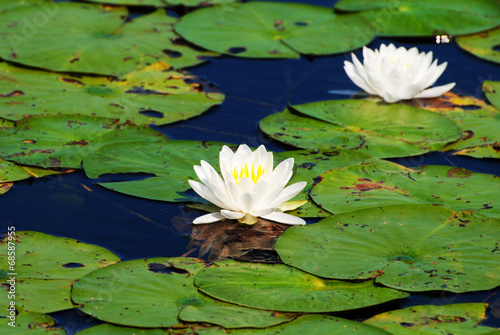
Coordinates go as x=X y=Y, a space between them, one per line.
x=397 y=74
x=249 y=187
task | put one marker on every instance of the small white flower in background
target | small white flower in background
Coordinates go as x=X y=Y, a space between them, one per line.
x=249 y=187
x=397 y=74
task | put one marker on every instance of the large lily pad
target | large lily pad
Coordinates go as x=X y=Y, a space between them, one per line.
x=166 y=3
x=433 y=320
x=45 y=267
x=91 y=39
x=407 y=247
x=307 y=324
x=171 y=163
x=377 y=129
x=482 y=44
x=65 y=140
x=167 y=96
x=478 y=121
x=31 y=323
x=426 y=18
x=283 y=288
x=12 y=172
x=382 y=183
x=274 y=30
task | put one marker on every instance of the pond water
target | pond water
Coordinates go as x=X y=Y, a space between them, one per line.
x=74 y=206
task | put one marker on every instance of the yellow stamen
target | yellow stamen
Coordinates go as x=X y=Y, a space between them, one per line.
x=244 y=171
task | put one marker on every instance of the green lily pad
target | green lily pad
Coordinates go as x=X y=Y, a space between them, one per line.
x=5 y=187
x=170 y=161
x=378 y=129
x=478 y=121
x=429 y=320
x=31 y=323
x=166 y=3
x=482 y=44
x=12 y=172
x=382 y=183
x=307 y=324
x=169 y=95
x=91 y=39
x=274 y=30
x=45 y=267
x=283 y=288
x=152 y=292
x=309 y=164
x=406 y=247
x=426 y=18
x=65 y=140
x=492 y=91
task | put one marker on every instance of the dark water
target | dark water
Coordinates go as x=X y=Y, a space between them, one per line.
x=74 y=206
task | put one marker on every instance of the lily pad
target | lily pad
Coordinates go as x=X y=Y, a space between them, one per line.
x=429 y=320
x=31 y=323
x=45 y=267
x=478 y=121
x=378 y=129
x=152 y=95
x=482 y=44
x=171 y=163
x=274 y=30
x=65 y=140
x=283 y=288
x=426 y=18
x=166 y=3
x=492 y=91
x=91 y=39
x=382 y=183
x=5 y=187
x=307 y=324
x=309 y=165
x=12 y=172
x=406 y=247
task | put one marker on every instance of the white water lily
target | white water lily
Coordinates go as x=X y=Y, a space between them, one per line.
x=249 y=187
x=397 y=74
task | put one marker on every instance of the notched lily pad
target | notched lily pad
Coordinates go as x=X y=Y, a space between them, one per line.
x=274 y=30
x=426 y=18
x=483 y=45
x=63 y=141
x=382 y=183
x=91 y=39
x=45 y=268
x=406 y=247
x=283 y=288
x=447 y=319
x=152 y=95
x=378 y=129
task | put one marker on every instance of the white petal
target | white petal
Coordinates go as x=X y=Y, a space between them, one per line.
x=206 y=193
x=356 y=79
x=437 y=71
x=284 y=218
x=209 y=218
x=232 y=215
x=288 y=193
x=262 y=212
x=435 y=91
x=248 y=201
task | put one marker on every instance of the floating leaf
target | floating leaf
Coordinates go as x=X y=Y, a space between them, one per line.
x=4 y=187
x=274 y=30
x=429 y=320
x=45 y=268
x=30 y=323
x=166 y=3
x=382 y=183
x=65 y=140
x=91 y=39
x=12 y=172
x=170 y=161
x=478 y=121
x=307 y=324
x=283 y=288
x=151 y=95
x=377 y=129
x=309 y=165
x=426 y=18
x=483 y=45
x=407 y=247
x=492 y=91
